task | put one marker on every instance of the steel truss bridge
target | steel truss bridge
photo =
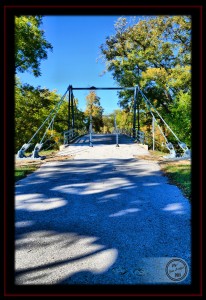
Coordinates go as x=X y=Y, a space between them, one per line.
x=72 y=133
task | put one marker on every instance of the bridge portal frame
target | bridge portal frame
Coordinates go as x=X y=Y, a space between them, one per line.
x=136 y=89
x=136 y=105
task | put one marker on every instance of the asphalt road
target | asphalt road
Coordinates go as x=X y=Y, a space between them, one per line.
x=103 y=217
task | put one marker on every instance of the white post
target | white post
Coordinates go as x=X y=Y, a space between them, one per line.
x=117 y=142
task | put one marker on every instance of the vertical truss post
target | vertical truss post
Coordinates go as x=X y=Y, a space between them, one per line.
x=90 y=131
x=134 y=111
x=138 y=117
x=69 y=108
x=72 y=109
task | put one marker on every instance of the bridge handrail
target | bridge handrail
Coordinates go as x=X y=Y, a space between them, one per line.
x=71 y=134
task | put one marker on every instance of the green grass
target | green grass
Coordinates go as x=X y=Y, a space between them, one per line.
x=23 y=171
x=43 y=152
x=180 y=175
x=47 y=152
x=157 y=154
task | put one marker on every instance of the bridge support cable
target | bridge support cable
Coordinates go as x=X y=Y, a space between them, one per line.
x=153 y=117
x=146 y=99
x=38 y=146
x=169 y=145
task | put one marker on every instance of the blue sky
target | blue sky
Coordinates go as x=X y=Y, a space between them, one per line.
x=76 y=44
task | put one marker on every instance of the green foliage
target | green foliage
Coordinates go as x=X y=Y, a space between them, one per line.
x=180 y=117
x=154 y=53
x=23 y=171
x=80 y=118
x=94 y=109
x=32 y=107
x=108 y=123
x=30 y=44
x=123 y=121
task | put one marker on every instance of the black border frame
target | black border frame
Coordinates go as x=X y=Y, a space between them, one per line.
x=195 y=289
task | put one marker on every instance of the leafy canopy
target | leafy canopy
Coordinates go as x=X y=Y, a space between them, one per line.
x=154 y=53
x=32 y=106
x=30 y=44
x=94 y=109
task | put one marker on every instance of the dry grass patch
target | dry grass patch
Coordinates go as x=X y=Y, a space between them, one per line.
x=25 y=166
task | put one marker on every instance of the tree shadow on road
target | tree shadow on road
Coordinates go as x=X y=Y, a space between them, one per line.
x=82 y=222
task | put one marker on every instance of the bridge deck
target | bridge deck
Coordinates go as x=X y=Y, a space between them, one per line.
x=104 y=146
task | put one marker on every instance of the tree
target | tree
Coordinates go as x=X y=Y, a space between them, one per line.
x=32 y=107
x=79 y=117
x=123 y=121
x=154 y=53
x=108 y=123
x=152 y=50
x=94 y=109
x=30 y=44
x=181 y=116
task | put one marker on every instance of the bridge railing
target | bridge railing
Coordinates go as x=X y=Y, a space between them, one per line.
x=139 y=135
x=72 y=134
x=127 y=132
x=69 y=135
